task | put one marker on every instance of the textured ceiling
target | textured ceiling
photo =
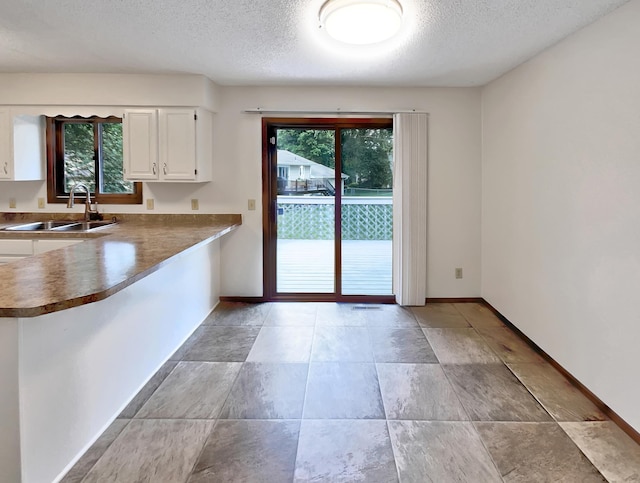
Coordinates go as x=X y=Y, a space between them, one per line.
x=278 y=42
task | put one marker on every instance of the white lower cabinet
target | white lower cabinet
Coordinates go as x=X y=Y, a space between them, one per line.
x=12 y=250
x=42 y=246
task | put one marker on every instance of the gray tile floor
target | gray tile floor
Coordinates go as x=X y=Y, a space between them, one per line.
x=327 y=392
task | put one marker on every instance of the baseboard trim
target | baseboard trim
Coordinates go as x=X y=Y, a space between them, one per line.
x=610 y=413
x=248 y=300
x=353 y=299
x=349 y=299
x=455 y=300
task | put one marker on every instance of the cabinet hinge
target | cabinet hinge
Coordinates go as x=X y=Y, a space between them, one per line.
x=196 y=171
x=195 y=116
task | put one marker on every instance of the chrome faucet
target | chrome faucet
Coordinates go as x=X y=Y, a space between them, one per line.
x=87 y=202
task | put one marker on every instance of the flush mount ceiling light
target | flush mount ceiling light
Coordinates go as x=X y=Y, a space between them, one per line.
x=361 y=22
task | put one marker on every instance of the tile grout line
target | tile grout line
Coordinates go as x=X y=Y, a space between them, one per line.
x=217 y=420
x=464 y=408
x=84 y=477
x=141 y=406
x=128 y=419
x=554 y=419
x=579 y=448
x=484 y=445
x=304 y=399
x=384 y=407
x=156 y=389
x=204 y=445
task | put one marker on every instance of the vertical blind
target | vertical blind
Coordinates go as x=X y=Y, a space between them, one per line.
x=410 y=154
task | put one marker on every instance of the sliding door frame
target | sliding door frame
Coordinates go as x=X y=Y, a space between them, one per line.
x=270 y=125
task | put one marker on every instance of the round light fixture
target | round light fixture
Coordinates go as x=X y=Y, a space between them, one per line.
x=361 y=22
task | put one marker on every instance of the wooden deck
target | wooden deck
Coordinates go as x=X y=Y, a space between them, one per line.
x=306 y=266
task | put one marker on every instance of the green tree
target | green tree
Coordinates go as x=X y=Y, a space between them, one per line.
x=112 y=160
x=318 y=145
x=79 y=157
x=366 y=153
x=366 y=157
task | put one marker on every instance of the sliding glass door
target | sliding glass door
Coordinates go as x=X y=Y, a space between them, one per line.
x=327 y=192
x=366 y=211
x=305 y=217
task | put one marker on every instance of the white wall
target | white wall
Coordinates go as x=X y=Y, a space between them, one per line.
x=454 y=164
x=454 y=174
x=561 y=204
x=107 y=90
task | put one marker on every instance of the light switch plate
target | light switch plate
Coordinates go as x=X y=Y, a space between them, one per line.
x=458 y=273
x=12 y=202
x=41 y=203
x=195 y=205
x=150 y=204
x=251 y=204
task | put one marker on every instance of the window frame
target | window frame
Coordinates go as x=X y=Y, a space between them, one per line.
x=55 y=162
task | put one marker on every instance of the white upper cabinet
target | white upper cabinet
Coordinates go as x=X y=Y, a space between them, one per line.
x=184 y=145
x=140 y=144
x=21 y=147
x=178 y=144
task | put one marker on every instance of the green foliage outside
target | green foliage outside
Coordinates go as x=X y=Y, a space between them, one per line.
x=112 y=162
x=366 y=157
x=79 y=157
x=366 y=153
x=79 y=166
x=315 y=144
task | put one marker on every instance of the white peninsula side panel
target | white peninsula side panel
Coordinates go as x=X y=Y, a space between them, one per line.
x=78 y=368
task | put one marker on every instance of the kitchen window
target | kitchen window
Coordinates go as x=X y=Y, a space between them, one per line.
x=88 y=151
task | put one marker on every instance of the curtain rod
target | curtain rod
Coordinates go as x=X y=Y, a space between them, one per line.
x=259 y=110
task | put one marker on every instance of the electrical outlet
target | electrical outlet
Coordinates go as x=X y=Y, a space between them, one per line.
x=458 y=273
x=150 y=204
x=12 y=202
x=195 y=205
x=251 y=205
x=41 y=203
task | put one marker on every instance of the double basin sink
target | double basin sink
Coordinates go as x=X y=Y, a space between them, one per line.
x=57 y=226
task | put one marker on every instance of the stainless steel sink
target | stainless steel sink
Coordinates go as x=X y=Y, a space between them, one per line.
x=41 y=226
x=60 y=226
x=84 y=226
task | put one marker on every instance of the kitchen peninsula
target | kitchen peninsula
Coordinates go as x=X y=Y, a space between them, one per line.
x=83 y=328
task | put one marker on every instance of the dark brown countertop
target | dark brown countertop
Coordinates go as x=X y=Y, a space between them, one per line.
x=109 y=259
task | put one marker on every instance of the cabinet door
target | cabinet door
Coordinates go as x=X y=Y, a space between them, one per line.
x=21 y=147
x=177 y=136
x=11 y=248
x=42 y=246
x=204 y=145
x=140 y=144
x=27 y=147
x=6 y=158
